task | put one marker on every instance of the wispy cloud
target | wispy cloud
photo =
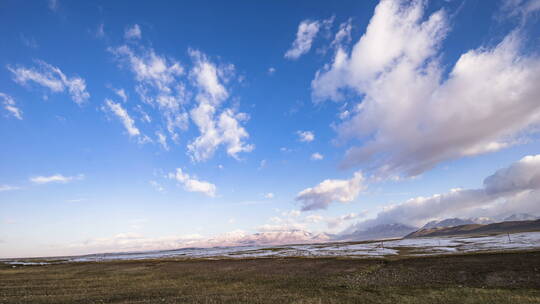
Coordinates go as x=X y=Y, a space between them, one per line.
x=56 y=178
x=29 y=42
x=8 y=188
x=124 y=117
x=11 y=106
x=307 y=31
x=52 y=78
x=192 y=184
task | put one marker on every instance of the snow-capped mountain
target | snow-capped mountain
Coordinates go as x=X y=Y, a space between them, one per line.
x=450 y=222
x=521 y=217
x=383 y=231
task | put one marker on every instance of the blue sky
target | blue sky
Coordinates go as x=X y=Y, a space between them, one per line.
x=134 y=126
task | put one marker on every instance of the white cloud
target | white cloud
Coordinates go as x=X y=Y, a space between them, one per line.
x=133 y=32
x=317 y=156
x=510 y=190
x=411 y=118
x=124 y=117
x=192 y=184
x=271 y=70
x=331 y=190
x=56 y=178
x=306 y=136
x=121 y=93
x=163 y=83
x=8 y=188
x=52 y=78
x=162 y=140
x=223 y=129
x=269 y=195
x=307 y=30
x=158 y=84
x=11 y=106
x=343 y=35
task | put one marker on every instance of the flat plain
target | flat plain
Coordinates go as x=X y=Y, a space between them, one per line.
x=488 y=277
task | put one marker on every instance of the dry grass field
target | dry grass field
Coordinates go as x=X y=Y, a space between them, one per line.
x=470 y=278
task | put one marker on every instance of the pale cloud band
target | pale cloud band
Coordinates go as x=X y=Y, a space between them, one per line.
x=56 y=178
x=509 y=190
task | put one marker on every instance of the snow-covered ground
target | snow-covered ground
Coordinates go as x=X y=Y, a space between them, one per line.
x=410 y=247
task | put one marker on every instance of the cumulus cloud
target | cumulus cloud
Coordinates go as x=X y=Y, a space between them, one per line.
x=224 y=128
x=307 y=30
x=56 y=178
x=133 y=32
x=411 y=117
x=305 y=136
x=317 y=156
x=192 y=184
x=52 y=78
x=124 y=117
x=11 y=106
x=510 y=190
x=520 y=176
x=331 y=190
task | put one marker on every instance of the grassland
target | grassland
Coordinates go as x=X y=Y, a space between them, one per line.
x=469 y=278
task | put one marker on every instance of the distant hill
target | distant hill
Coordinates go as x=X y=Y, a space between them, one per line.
x=383 y=231
x=502 y=227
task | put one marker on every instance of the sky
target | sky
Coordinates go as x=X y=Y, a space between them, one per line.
x=131 y=126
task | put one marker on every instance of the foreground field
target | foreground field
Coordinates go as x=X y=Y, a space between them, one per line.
x=470 y=278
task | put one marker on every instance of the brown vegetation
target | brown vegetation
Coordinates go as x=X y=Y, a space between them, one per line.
x=469 y=278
